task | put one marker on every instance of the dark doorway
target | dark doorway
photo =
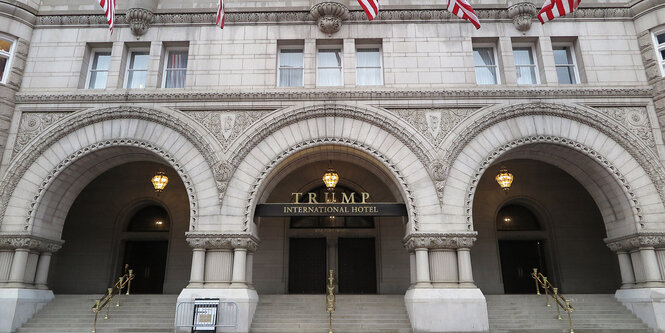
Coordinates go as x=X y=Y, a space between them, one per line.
x=518 y=259
x=357 y=266
x=307 y=265
x=148 y=260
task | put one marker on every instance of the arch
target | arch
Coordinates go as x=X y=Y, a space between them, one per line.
x=53 y=168
x=623 y=173
x=373 y=133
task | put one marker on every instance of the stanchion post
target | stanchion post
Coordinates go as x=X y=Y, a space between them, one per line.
x=117 y=303
x=547 y=293
x=556 y=299
x=570 y=320
x=535 y=279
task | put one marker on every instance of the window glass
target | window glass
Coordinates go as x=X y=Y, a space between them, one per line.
x=5 y=56
x=516 y=217
x=368 y=66
x=176 y=69
x=525 y=66
x=5 y=45
x=99 y=70
x=661 y=38
x=329 y=71
x=3 y=63
x=150 y=218
x=138 y=70
x=565 y=65
x=290 y=68
x=483 y=58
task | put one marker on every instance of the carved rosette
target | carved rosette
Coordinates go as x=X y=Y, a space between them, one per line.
x=329 y=16
x=446 y=240
x=222 y=241
x=139 y=20
x=222 y=172
x=634 y=242
x=522 y=14
x=18 y=241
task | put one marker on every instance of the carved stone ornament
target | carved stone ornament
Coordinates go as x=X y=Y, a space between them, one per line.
x=139 y=20
x=329 y=16
x=522 y=14
x=446 y=240
x=222 y=241
x=22 y=241
x=636 y=241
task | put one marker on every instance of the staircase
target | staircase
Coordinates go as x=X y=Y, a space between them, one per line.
x=137 y=314
x=354 y=313
x=593 y=314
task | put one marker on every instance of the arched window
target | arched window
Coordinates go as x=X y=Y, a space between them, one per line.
x=150 y=218
x=514 y=217
x=324 y=195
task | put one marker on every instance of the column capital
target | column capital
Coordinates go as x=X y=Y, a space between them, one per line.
x=636 y=241
x=222 y=241
x=23 y=241
x=447 y=240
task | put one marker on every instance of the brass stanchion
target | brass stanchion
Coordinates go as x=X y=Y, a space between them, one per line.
x=129 y=283
x=117 y=303
x=535 y=279
x=330 y=299
x=108 y=307
x=556 y=295
x=547 y=294
x=569 y=309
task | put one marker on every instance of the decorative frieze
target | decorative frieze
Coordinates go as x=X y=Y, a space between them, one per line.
x=222 y=241
x=636 y=241
x=634 y=118
x=451 y=240
x=226 y=126
x=21 y=241
x=434 y=123
x=33 y=123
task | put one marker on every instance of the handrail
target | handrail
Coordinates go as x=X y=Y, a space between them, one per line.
x=560 y=301
x=105 y=300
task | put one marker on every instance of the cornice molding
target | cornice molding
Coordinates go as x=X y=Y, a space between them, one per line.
x=169 y=95
x=304 y=16
x=222 y=241
x=637 y=241
x=448 y=240
x=23 y=241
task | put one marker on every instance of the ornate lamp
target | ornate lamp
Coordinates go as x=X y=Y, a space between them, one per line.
x=504 y=178
x=159 y=181
x=330 y=178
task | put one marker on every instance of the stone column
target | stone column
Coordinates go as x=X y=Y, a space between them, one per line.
x=41 y=278
x=651 y=270
x=464 y=267
x=626 y=267
x=19 y=265
x=31 y=269
x=218 y=268
x=239 y=266
x=422 y=268
x=443 y=268
x=6 y=256
x=412 y=265
x=250 y=269
x=196 y=276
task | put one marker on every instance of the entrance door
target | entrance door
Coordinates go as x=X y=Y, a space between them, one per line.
x=307 y=265
x=357 y=266
x=518 y=259
x=148 y=260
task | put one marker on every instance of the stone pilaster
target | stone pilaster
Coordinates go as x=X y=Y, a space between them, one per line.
x=639 y=259
x=19 y=258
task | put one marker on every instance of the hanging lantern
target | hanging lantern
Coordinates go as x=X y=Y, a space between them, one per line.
x=159 y=181
x=330 y=178
x=504 y=178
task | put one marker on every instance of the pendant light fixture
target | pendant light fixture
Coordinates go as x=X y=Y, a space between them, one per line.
x=159 y=181
x=504 y=178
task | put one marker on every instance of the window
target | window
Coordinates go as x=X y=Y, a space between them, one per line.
x=525 y=66
x=485 y=62
x=514 y=217
x=175 y=68
x=329 y=70
x=660 y=49
x=150 y=218
x=6 y=50
x=137 y=70
x=99 y=69
x=290 y=67
x=566 y=68
x=368 y=66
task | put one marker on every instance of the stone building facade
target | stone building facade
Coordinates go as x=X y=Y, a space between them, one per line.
x=416 y=107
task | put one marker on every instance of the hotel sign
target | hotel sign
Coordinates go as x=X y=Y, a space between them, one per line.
x=353 y=204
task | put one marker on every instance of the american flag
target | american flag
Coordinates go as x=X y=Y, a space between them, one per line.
x=220 y=13
x=463 y=10
x=371 y=8
x=109 y=10
x=556 y=8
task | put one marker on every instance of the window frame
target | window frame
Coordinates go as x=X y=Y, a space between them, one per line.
x=130 y=52
x=573 y=56
x=279 y=66
x=369 y=46
x=9 y=56
x=658 y=48
x=341 y=67
x=496 y=61
x=536 y=69
x=167 y=53
x=91 y=61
